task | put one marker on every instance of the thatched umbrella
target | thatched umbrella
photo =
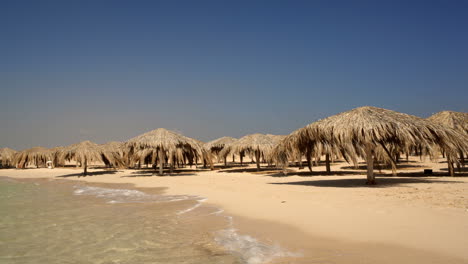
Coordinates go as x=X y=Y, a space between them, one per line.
x=86 y=152
x=366 y=131
x=55 y=156
x=117 y=148
x=7 y=156
x=455 y=120
x=215 y=146
x=33 y=156
x=299 y=143
x=257 y=144
x=161 y=143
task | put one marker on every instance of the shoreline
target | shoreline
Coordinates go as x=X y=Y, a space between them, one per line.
x=313 y=218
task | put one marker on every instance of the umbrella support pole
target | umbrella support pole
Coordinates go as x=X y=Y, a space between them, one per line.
x=257 y=159
x=370 y=166
x=85 y=165
x=327 y=163
x=299 y=159
x=450 y=165
x=309 y=160
x=161 y=161
x=462 y=159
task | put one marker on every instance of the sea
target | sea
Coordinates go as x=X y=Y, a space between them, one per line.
x=61 y=221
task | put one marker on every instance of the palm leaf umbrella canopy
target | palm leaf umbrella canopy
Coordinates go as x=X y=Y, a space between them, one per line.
x=455 y=120
x=367 y=131
x=215 y=146
x=55 y=154
x=34 y=156
x=161 y=143
x=290 y=148
x=116 y=147
x=257 y=144
x=7 y=155
x=86 y=152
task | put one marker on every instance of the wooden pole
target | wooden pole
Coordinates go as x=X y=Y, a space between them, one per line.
x=450 y=165
x=85 y=172
x=370 y=166
x=161 y=161
x=309 y=159
x=327 y=163
x=257 y=158
x=462 y=159
x=299 y=159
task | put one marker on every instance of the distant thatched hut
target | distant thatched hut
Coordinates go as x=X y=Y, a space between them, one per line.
x=86 y=152
x=37 y=156
x=7 y=156
x=161 y=143
x=259 y=145
x=366 y=131
x=215 y=146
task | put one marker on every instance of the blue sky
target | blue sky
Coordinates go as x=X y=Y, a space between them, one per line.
x=110 y=70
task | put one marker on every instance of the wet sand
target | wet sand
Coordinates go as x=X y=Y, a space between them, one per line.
x=328 y=218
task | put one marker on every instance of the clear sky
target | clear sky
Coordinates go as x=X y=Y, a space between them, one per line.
x=111 y=70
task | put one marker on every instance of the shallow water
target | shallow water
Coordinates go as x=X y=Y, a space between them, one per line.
x=68 y=222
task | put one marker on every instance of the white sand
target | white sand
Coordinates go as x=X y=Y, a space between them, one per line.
x=429 y=214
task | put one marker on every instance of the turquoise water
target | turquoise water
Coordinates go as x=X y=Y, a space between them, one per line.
x=68 y=222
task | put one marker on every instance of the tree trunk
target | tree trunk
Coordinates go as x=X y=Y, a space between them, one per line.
x=370 y=166
x=161 y=161
x=241 y=159
x=327 y=163
x=257 y=159
x=85 y=164
x=450 y=165
x=225 y=161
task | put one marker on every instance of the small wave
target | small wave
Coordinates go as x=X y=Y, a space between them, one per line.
x=199 y=202
x=115 y=196
x=249 y=249
x=217 y=212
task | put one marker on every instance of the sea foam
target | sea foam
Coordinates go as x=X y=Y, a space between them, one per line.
x=249 y=249
x=129 y=196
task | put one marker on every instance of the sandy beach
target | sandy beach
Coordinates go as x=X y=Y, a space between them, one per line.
x=409 y=218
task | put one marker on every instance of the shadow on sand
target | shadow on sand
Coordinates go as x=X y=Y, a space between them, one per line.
x=155 y=173
x=262 y=170
x=307 y=173
x=94 y=173
x=382 y=182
